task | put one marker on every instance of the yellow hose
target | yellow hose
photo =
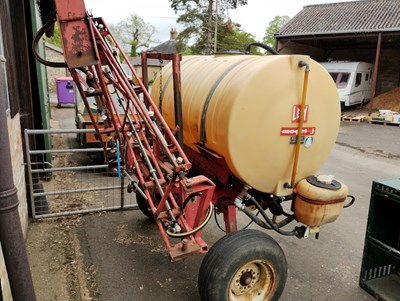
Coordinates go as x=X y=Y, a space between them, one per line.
x=301 y=122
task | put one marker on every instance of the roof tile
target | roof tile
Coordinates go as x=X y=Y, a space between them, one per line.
x=344 y=17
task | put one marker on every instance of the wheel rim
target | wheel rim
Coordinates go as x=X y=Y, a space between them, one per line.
x=254 y=281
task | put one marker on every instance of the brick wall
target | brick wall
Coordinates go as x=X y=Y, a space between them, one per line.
x=389 y=70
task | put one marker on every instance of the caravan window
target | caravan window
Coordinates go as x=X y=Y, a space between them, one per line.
x=334 y=76
x=358 y=79
x=343 y=80
x=340 y=78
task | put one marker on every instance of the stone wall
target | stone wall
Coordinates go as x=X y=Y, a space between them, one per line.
x=17 y=157
x=5 y=284
x=14 y=132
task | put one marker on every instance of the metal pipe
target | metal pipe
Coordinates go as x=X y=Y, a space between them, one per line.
x=30 y=177
x=145 y=74
x=123 y=192
x=84 y=211
x=11 y=236
x=176 y=70
x=77 y=190
x=60 y=131
x=384 y=246
x=72 y=168
x=67 y=151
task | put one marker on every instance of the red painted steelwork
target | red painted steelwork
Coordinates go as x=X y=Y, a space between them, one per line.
x=76 y=34
x=181 y=205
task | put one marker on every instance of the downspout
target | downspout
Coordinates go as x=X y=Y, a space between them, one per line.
x=11 y=237
x=375 y=75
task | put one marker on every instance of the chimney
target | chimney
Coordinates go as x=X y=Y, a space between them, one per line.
x=173 y=34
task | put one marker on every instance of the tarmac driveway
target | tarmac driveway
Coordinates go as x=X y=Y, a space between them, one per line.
x=123 y=257
x=127 y=251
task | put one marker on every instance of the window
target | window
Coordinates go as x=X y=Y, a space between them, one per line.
x=366 y=76
x=334 y=76
x=358 y=79
x=3 y=75
x=343 y=80
x=340 y=79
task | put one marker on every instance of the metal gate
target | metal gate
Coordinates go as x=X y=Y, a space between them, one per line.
x=69 y=180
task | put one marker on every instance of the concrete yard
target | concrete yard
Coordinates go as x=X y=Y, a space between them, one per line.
x=120 y=256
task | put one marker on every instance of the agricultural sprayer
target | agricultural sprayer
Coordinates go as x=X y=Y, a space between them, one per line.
x=217 y=135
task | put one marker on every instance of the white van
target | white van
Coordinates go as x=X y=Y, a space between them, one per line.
x=353 y=81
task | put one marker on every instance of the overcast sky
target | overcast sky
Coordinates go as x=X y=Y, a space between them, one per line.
x=254 y=17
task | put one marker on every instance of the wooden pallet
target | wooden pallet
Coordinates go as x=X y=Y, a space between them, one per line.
x=352 y=117
x=384 y=122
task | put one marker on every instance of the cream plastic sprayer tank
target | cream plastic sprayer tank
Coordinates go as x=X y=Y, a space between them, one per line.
x=246 y=108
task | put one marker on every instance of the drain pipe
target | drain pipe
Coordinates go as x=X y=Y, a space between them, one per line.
x=11 y=237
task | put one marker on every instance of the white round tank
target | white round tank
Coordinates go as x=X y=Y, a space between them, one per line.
x=245 y=108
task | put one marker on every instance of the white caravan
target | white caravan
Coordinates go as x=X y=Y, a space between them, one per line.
x=353 y=81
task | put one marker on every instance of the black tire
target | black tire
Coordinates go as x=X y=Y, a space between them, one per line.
x=144 y=206
x=246 y=265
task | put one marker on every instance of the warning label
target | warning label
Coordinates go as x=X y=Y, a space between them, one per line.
x=307 y=131
x=296 y=113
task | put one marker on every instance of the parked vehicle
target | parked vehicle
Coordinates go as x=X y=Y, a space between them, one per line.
x=353 y=81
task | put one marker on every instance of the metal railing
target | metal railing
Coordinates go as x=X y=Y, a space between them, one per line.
x=73 y=182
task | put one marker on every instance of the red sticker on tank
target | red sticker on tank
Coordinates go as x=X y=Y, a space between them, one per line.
x=308 y=131
x=296 y=113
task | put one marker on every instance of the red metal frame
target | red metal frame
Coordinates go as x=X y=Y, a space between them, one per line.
x=150 y=149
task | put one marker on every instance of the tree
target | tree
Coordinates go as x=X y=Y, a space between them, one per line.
x=133 y=33
x=198 y=18
x=273 y=28
x=56 y=38
x=232 y=37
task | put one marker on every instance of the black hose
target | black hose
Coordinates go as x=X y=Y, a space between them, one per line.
x=255 y=218
x=264 y=225
x=262 y=45
x=35 y=45
x=270 y=222
x=188 y=198
x=352 y=200
x=244 y=228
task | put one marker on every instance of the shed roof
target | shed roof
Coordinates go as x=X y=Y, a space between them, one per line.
x=343 y=18
x=166 y=47
x=137 y=61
